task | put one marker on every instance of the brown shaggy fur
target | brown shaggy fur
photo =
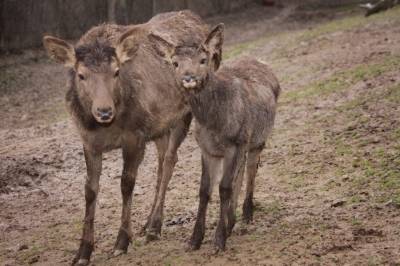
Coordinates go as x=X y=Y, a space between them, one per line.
x=235 y=110
x=123 y=102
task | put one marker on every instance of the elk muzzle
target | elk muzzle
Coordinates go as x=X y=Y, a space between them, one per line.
x=103 y=113
x=189 y=81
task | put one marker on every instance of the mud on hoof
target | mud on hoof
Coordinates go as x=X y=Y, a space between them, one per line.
x=119 y=252
x=154 y=231
x=248 y=210
x=152 y=235
x=219 y=247
x=122 y=242
x=143 y=230
x=82 y=262
x=229 y=230
x=145 y=227
x=219 y=244
x=193 y=245
x=83 y=255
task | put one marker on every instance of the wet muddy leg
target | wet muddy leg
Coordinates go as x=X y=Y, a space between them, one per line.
x=211 y=167
x=93 y=167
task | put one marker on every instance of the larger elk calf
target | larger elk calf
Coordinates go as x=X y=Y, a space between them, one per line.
x=121 y=94
x=235 y=109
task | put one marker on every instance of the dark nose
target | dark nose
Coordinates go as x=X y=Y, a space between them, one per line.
x=188 y=78
x=104 y=113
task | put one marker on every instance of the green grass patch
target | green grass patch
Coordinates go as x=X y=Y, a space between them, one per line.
x=353 y=222
x=238 y=215
x=347 y=23
x=391 y=180
x=240 y=48
x=356 y=199
x=13 y=78
x=347 y=78
x=273 y=208
x=394 y=94
x=394 y=197
x=338 y=25
x=396 y=134
x=345 y=7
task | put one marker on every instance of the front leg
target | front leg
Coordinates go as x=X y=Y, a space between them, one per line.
x=233 y=160
x=178 y=134
x=162 y=146
x=211 y=167
x=132 y=153
x=93 y=167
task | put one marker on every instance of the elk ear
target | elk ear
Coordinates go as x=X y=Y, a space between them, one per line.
x=60 y=51
x=128 y=43
x=215 y=39
x=162 y=47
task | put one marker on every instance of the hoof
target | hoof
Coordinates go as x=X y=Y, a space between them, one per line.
x=152 y=236
x=118 y=252
x=142 y=231
x=82 y=262
x=192 y=247
x=218 y=250
x=219 y=245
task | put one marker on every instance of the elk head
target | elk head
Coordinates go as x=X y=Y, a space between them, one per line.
x=192 y=63
x=96 y=69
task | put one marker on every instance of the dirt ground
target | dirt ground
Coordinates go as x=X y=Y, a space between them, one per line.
x=328 y=187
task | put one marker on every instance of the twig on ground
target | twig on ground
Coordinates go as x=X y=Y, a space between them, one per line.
x=44 y=192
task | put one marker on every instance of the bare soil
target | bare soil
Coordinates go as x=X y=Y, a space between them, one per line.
x=328 y=187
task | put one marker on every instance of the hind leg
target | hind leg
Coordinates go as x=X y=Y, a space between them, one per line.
x=232 y=163
x=234 y=199
x=252 y=167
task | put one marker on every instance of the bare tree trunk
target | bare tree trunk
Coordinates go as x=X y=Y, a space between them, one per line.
x=1 y=25
x=128 y=11
x=111 y=10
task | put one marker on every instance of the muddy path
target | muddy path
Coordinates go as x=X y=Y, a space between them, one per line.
x=328 y=186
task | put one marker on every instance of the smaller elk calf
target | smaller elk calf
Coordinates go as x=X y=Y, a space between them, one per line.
x=235 y=110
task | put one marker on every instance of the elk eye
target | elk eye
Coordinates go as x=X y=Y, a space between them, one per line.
x=203 y=61
x=117 y=73
x=81 y=76
x=175 y=64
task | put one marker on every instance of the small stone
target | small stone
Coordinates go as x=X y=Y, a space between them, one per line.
x=338 y=203
x=24 y=246
x=34 y=259
x=13 y=248
x=389 y=202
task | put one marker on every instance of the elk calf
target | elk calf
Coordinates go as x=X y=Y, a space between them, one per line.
x=235 y=110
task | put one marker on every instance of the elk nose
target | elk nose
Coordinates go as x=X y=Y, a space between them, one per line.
x=104 y=113
x=188 y=78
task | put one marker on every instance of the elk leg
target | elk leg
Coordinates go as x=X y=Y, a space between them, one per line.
x=162 y=146
x=178 y=134
x=252 y=167
x=93 y=167
x=235 y=195
x=132 y=154
x=211 y=167
x=231 y=168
